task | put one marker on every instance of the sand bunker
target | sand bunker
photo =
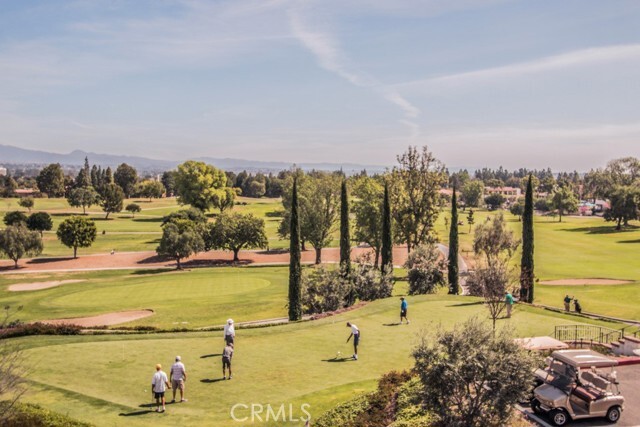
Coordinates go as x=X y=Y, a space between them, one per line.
x=103 y=319
x=41 y=285
x=580 y=282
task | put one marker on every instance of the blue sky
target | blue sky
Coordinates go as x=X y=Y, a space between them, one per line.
x=481 y=82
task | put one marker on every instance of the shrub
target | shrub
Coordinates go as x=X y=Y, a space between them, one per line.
x=324 y=290
x=369 y=283
x=27 y=414
x=425 y=270
x=343 y=414
x=25 y=329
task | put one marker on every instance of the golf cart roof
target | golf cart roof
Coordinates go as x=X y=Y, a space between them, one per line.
x=541 y=343
x=583 y=358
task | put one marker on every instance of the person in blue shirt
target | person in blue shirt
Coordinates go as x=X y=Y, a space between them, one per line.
x=403 y=310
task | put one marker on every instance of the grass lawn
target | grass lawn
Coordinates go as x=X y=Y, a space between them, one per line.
x=191 y=299
x=103 y=379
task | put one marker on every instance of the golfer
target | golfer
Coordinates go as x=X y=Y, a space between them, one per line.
x=229 y=332
x=159 y=384
x=227 y=355
x=508 y=300
x=355 y=333
x=177 y=376
x=403 y=310
x=567 y=303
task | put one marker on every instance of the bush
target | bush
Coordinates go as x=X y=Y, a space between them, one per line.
x=19 y=329
x=343 y=414
x=369 y=283
x=425 y=270
x=324 y=290
x=27 y=414
x=542 y=205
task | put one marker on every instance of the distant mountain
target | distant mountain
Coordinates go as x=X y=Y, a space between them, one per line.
x=14 y=155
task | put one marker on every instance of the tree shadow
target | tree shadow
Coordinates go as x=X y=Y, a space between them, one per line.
x=629 y=241
x=274 y=214
x=49 y=260
x=209 y=381
x=464 y=304
x=205 y=356
x=149 y=242
x=604 y=229
x=339 y=360
x=154 y=259
x=158 y=219
x=151 y=271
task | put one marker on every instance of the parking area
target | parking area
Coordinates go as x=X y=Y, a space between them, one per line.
x=629 y=377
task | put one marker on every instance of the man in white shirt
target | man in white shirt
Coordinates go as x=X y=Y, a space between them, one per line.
x=355 y=333
x=177 y=376
x=159 y=384
x=229 y=332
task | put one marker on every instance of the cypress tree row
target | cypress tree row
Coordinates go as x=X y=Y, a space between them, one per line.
x=387 y=241
x=345 y=237
x=452 y=264
x=295 y=290
x=526 y=265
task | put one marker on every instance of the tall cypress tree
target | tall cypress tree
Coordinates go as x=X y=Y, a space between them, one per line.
x=345 y=237
x=526 y=265
x=387 y=241
x=452 y=264
x=295 y=290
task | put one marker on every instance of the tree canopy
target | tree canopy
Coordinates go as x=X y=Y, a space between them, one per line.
x=84 y=197
x=39 y=221
x=235 y=231
x=126 y=177
x=16 y=242
x=202 y=186
x=77 y=232
x=50 y=180
x=180 y=240
x=112 y=199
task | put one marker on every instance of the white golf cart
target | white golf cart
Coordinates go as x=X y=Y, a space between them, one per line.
x=578 y=384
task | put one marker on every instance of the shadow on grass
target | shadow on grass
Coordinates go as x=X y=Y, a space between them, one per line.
x=205 y=356
x=604 y=229
x=274 y=214
x=136 y=413
x=629 y=241
x=391 y=324
x=209 y=381
x=158 y=219
x=149 y=242
x=339 y=359
x=48 y=260
x=465 y=304
x=150 y=271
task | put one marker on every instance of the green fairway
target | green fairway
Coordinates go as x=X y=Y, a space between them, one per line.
x=187 y=299
x=103 y=378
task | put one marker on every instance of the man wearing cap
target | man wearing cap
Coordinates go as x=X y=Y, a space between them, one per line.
x=508 y=300
x=178 y=376
x=159 y=384
x=403 y=310
x=229 y=332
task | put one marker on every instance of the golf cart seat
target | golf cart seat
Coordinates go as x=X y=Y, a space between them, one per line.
x=584 y=394
x=596 y=384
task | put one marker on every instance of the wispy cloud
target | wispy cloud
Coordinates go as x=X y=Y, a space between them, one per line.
x=577 y=58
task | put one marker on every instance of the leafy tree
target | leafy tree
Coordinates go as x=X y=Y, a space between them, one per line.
x=16 y=242
x=77 y=232
x=517 y=209
x=295 y=290
x=50 y=180
x=27 y=203
x=564 y=200
x=494 y=201
x=323 y=290
x=415 y=186
x=84 y=176
x=527 y=263
x=8 y=186
x=490 y=282
x=133 y=208
x=425 y=270
x=191 y=214
x=452 y=259
x=150 y=189
x=15 y=218
x=126 y=177
x=368 y=282
x=202 y=186
x=472 y=193
x=345 y=239
x=367 y=211
x=494 y=240
x=84 y=197
x=112 y=199
x=471 y=377
x=624 y=205
x=470 y=219
x=235 y=231
x=169 y=182
x=179 y=241
x=459 y=179
x=255 y=189
x=387 y=238
x=39 y=221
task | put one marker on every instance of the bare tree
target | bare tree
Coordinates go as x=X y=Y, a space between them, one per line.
x=11 y=370
x=491 y=282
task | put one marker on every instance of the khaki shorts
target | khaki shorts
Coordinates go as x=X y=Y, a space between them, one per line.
x=177 y=384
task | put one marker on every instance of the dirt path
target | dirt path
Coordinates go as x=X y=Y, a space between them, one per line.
x=135 y=260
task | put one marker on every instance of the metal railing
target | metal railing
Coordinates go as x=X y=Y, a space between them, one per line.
x=589 y=333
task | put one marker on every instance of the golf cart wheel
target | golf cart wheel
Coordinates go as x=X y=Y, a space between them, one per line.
x=535 y=406
x=559 y=417
x=613 y=414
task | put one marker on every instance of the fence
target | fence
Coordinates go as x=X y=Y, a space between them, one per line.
x=588 y=333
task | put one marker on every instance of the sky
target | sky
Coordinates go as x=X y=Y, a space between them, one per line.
x=531 y=84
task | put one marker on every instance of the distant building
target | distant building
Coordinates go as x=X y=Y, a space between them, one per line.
x=3 y=171
x=508 y=192
x=24 y=192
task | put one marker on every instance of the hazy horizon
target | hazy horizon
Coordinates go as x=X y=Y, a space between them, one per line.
x=481 y=83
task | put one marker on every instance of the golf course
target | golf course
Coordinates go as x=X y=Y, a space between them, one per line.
x=104 y=378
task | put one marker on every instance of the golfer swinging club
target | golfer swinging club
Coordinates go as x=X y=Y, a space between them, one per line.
x=355 y=333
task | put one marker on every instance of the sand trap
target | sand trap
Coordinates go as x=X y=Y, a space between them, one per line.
x=103 y=319
x=579 y=282
x=41 y=285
